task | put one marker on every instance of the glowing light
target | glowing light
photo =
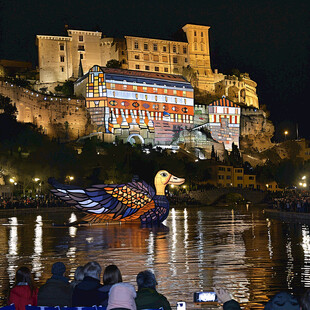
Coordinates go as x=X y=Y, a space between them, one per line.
x=36 y=179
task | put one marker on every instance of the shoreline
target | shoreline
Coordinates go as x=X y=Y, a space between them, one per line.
x=287 y=215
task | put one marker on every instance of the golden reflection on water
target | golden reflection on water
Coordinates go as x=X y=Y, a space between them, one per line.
x=197 y=249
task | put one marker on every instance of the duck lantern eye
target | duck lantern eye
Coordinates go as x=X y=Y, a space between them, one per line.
x=164 y=174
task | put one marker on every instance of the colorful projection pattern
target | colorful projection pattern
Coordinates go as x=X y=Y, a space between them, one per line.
x=135 y=201
x=120 y=100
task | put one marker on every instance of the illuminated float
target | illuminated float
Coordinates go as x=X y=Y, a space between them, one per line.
x=135 y=201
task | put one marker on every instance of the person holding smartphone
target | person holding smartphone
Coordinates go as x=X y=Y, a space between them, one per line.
x=224 y=297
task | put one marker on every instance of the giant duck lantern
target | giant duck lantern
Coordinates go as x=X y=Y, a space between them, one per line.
x=135 y=201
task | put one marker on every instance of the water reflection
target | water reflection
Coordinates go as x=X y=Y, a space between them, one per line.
x=12 y=255
x=306 y=248
x=196 y=250
x=38 y=248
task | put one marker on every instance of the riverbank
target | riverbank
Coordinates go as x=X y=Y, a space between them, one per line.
x=299 y=217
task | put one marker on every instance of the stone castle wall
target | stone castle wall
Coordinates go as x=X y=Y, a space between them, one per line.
x=59 y=117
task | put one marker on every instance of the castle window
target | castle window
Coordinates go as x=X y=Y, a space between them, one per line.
x=165 y=91
x=81 y=56
x=175 y=60
x=62 y=69
x=146 y=46
x=155 y=47
x=202 y=34
x=62 y=58
x=156 y=68
x=174 y=49
x=155 y=89
x=184 y=50
x=137 y=56
x=195 y=33
x=164 y=48
x=184 y=93
x=165 y=69
x=174 y=92
x=125 y=86
x=112 y=86
x=144 y=88
x=136 y=45
x=137 y=68
x=81 y=38
x=147 y=67
x=61 y=47
x=81 y=48
x=135 y=87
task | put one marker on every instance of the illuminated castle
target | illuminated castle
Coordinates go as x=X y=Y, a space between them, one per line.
x=60 y=58
x=137 y=106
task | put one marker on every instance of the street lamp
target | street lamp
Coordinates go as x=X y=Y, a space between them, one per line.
x=285 y=134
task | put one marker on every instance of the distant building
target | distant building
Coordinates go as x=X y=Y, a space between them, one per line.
x=135 y=106
x=229 y=176
x=60 y=58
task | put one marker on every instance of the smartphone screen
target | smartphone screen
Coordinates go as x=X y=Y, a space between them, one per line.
x=205 y=297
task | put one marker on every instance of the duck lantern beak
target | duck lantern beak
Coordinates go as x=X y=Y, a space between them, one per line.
x=175 y=180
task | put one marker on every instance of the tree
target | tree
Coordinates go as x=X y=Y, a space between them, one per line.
x=235 y=158
x=7 y=106
x=113 y=63
x=68 y=88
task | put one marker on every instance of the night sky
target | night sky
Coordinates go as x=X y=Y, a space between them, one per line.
x=267 y=39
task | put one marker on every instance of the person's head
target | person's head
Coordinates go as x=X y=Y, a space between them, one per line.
x=58 y=269
x=305 y=300
x=92 y=269
x=79 y=273
x=111 y=275
x=23 y=275
x=282 y=301
x=122 y=295
x=146 y=279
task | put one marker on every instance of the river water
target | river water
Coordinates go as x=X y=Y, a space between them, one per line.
x=198 y=248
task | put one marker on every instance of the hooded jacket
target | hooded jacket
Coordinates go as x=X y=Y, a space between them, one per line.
x=148 y=298
x=122 y=296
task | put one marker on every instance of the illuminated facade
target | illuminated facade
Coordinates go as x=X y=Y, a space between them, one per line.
x=60 y=58
x=141 y=107
x=224 y=122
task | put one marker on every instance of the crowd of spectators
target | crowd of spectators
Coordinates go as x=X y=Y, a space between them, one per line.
x=114 y=294
x=40 y=201
x=292 y=202
x=86 y=289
